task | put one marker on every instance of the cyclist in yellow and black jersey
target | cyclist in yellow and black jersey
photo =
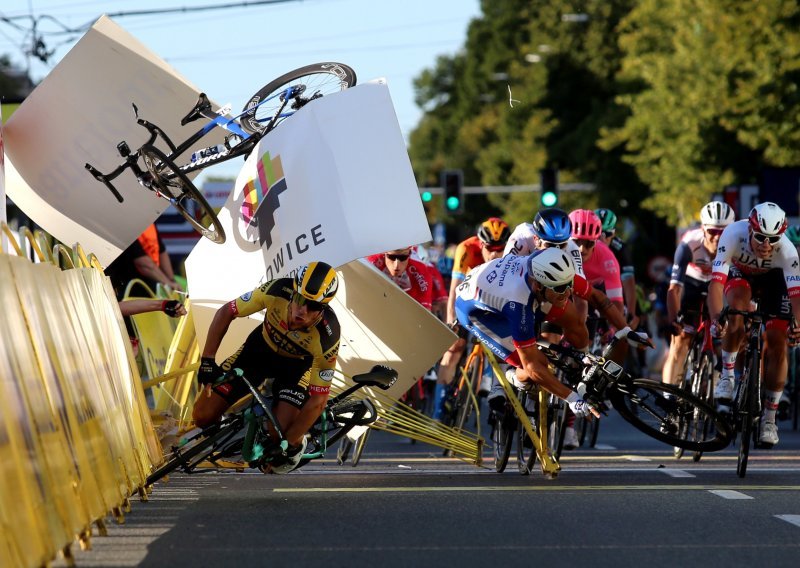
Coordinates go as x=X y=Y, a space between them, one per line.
x=296 y=345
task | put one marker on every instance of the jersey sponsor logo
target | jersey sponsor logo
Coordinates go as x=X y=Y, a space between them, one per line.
x=491 y=276
x=794 y=264
x=721 y=249
x=793 y=278
x=608 y=265
x=318 y=390
x=246 y=296
x=326 y=375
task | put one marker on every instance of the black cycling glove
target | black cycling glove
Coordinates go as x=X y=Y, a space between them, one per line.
x=209 y=371
x=171 y=307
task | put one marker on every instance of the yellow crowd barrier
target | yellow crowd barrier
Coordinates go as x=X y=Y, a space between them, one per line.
x=76 y=440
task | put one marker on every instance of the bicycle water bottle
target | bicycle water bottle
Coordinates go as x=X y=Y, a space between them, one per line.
x=206 y=152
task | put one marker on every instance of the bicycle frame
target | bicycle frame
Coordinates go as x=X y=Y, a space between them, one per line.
x=245 y=141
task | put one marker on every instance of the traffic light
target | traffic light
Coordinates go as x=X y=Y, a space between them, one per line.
x=452 y=183
x=548 y=195
x=426 y=196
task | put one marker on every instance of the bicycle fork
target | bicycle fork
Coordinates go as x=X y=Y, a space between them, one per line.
x=550 y=465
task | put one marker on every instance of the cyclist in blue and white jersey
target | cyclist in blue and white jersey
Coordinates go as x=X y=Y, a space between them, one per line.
x=691 y=273
x=497 y=303
x=756 y=260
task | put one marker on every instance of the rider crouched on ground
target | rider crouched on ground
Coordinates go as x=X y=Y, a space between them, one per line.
x=497 y=303
x=756 y=261
x=296 y=345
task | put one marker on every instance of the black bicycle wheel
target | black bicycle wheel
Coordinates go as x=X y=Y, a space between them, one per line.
x=746 y=411
x=318 y=79
x=196 y=449
x=174 y=185
x=526 y=453
x=702 y=388
x=556 y=426
x=502 y=437
x=642 y=403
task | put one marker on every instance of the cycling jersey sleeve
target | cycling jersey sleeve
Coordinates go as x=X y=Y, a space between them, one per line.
x=575 y=255
x=581 y=287
x=461 y=261
x=722 y=262
x=791 y=270
x=612 y=279
x=683 y=256
x=520 y=243
x=255 y=301
x=324 y=362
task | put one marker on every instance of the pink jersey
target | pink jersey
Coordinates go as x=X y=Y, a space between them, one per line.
x=602 y=269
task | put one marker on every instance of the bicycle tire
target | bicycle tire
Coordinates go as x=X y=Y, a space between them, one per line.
x=557 y=428
x=187 y=458
x=166 y=176
x=745 y=415
x=502 y=437
x=328 y=77
x=526 y=456
x=702 y=388
x=641 y=402
x=594 y=431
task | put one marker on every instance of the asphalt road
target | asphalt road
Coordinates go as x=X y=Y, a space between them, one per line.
x=627 y=502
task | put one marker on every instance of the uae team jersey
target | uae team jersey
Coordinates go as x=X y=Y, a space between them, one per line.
x=734 y=250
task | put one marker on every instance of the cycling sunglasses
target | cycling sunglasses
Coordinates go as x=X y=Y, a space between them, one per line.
x=398 y=257
x=714 y=232
x=585 y=243
x=609 y=234
x=761 y=237
x=495 y=248
x=548 y=244
x=560 y=289
x=311 y=305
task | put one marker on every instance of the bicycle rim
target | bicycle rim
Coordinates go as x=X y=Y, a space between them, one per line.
x=176 y=186
x=641 y=402
x=319 y=79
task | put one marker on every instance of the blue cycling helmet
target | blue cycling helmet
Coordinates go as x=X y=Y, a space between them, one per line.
x=552 y=225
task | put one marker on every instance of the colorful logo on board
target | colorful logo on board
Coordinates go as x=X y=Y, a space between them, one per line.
x=261 y=199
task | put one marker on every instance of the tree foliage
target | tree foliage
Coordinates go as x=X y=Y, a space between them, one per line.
x=660 y=103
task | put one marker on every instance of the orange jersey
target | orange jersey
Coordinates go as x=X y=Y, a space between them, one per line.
x=468 y=256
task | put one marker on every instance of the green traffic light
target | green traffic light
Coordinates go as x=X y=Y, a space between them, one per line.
x=427 y=196
x=452 y=203
x=549 y=198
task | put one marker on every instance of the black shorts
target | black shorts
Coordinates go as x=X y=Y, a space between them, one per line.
x=259 y=362
x=769 y=289
x=693 y=302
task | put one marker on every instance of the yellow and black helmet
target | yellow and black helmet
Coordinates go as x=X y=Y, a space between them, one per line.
x=317 y=282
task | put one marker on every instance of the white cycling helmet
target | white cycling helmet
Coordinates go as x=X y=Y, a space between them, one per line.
x=551 y=267
x=768 y=219
x=717 y=214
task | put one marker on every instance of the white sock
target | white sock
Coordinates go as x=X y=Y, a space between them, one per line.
x=728 y=363
x=771 y=400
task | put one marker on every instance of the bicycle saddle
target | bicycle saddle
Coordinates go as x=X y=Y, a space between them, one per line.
x=379 y=376
x=202 y=108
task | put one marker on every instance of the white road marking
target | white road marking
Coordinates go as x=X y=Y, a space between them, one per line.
x=729 y=494
x=676 y=472
x=604 y=447
x=794 y=519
